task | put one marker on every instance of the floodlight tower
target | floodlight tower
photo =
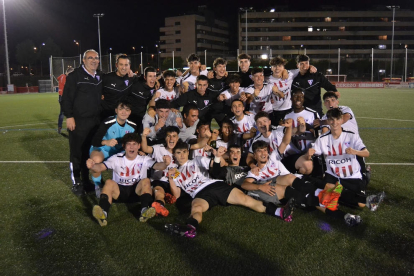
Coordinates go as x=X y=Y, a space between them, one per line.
x=5 y=45
x=99 y=15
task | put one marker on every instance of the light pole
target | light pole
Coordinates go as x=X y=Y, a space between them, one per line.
x=5 y=45
x=78 y=43
x=99 y=15
x=392 y=40
x=245 y=10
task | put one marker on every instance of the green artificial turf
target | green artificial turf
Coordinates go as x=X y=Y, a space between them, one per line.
x=46 y=230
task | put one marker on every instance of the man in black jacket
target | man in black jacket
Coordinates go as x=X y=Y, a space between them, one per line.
x=140 y=95
x=116 y=86
x=202 y=97
x=81 y=105
x=311 y=84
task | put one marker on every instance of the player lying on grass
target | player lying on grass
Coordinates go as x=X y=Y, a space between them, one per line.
x=192 y=178
x=159 y=179
x=272 y=182
x=340 y=148
x=130 y=181
x=107 y=140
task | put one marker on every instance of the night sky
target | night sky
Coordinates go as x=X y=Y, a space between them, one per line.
x=126 y=23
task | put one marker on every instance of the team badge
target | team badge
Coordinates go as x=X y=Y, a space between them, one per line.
x=126 y=82
x=310 y=82
x=127 y=131
x=206 y=102
x=152 y=91
x=347 y=144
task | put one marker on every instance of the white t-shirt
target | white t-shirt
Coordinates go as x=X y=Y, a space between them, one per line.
x=229 y=97
x=284 y=86
x=262 y=101
x=351 y=124
x=191 y=79
x=244 y=126
x=128 y=172
x=338 y=163
x=272 y=169
x=158 y=153
x=169 y=96
x=193 y=176
x=303 y=142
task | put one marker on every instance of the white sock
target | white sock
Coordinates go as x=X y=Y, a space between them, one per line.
x=277 y=213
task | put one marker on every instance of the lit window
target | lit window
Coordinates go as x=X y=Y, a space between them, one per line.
x=382 y=37
x=328 y=19
x=382 y=47
x=286 y=38
x=310 y=29
x=342 y=29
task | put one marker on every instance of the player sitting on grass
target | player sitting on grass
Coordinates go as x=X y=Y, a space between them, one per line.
x=107 y=140
x=340 y=148
x=157 y=152
x=271 y=182
x=129 y=179
x=192 y=177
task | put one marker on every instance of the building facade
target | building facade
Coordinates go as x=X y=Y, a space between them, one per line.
x=193 y=33
x=321 y=33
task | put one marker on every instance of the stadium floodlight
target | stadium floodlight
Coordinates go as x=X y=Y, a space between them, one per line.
x=5 y=45
x=272 y=10
x=392 y=40
x=245 y=10
x=99 y=15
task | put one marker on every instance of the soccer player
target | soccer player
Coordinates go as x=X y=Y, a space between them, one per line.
x=62 y=80
x=278 y=137
x=81 y=102
x=281 y=105
x=273 y=182
x=164 y=117
x=340 y=148
x=311 y=84
x=192 y=178
x=245 y=72
x=129 y=179
x=140 y=95
x=260 y=93
x=201 y=96
x=190 y=119
x=244 y=124
x=330 y=100
x=169 y=92
x=107 y=140
x=234 y=92
x=217 y=79
x=116 y=85
x=188 y=80
x=305 y=123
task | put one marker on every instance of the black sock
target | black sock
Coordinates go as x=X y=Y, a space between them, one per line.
x=311 y=200
x=104 y=203
x=318 y=183
x=271 y=209
x=351 y=198
x=146 y=200
x=302 y=185
x=192 y=221
x=160 y=202
x=336 y=214
x=293 y=193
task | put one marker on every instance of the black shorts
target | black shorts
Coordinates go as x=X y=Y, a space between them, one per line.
x=127 y=194
x=290 y=162
x=163 y=184
x=215 y=194
x=355 y=185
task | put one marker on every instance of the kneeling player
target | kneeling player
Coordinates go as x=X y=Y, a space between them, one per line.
x=107 y=140
x=192 y=177
x=340 y=148
x=129 y=179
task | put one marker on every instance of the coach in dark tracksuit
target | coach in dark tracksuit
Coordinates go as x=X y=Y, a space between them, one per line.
x=81 y=105
x=311 y=84
x=203 y=98
x=116 y=86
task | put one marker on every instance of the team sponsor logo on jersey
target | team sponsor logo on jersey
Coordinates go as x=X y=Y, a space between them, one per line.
x=206 y=102
x=126 y=82
x=86 y=78
x=340 y=161
x=113 y=84
x=310 y=82
x=195 y=102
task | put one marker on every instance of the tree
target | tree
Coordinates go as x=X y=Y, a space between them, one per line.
x=26 y=53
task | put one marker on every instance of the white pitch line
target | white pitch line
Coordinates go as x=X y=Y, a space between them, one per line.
x=392 y=164
x=27 y=125
x=387 y=119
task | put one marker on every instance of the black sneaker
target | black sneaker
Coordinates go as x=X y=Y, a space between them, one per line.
x=287 y=210
x=368 y=174
x=77 y=189
x=187 y=231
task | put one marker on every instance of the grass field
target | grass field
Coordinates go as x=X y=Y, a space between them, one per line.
x=46 y=230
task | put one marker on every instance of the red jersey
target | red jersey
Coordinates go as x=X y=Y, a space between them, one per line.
x=62 y=80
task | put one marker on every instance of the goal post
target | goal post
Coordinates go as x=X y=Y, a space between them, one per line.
x=336 y=78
